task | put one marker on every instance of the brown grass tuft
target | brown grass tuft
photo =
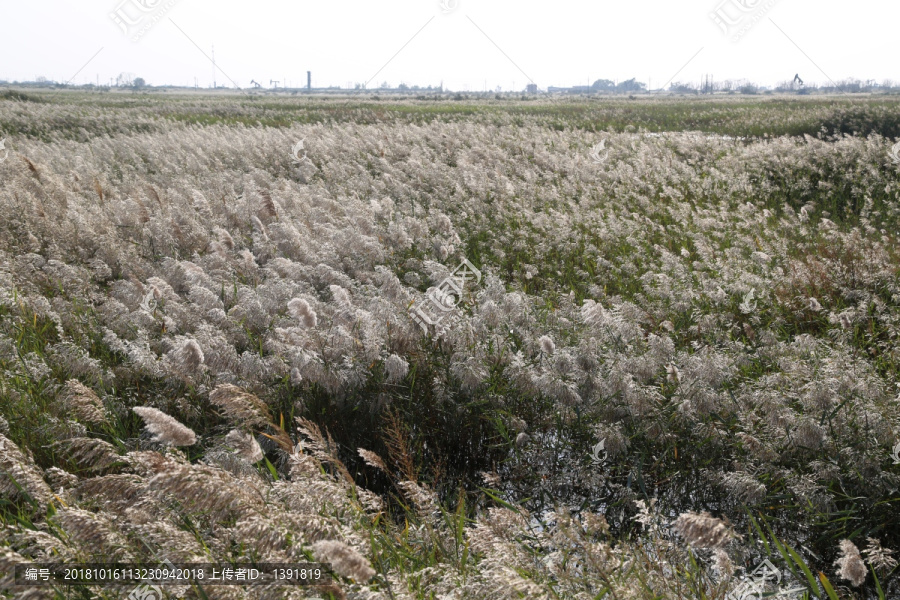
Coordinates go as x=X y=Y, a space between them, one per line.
x=84 y=404
x=19 y=476
x=242 y=408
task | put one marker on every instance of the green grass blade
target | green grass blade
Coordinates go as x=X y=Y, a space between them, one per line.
x=762 y=536
x=877 y=583
x=809 y=576
x=828 y=587
x=782 y=551
x=271 y=468
x=499 y=500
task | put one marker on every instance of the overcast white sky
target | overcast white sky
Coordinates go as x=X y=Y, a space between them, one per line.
x=475 y=44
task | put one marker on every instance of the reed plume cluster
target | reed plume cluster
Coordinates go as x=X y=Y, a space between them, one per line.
x=696 y=337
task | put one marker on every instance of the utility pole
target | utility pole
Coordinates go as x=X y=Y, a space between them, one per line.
x=214 y=66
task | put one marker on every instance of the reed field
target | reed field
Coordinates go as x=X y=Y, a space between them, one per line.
x=677 y=357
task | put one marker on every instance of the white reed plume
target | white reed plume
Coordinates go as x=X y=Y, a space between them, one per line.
x=703 y=530
x=852 y=567
x=245 y=445
x=302 y=311
x=396 y=368
x=344 y=560
x=164 y=428
x=547 y=345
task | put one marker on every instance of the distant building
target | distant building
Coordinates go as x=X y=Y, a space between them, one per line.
x=576 y=89
x=531 y=88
